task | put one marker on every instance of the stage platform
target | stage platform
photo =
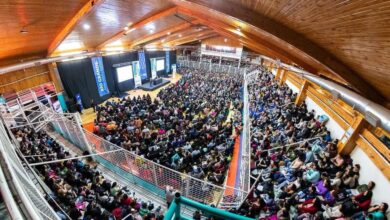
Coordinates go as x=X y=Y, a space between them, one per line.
x=150 y=87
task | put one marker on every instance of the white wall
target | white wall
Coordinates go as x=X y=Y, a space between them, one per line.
x=370 y=172
x=292 y=87
x=273 y=71
x=335 y=130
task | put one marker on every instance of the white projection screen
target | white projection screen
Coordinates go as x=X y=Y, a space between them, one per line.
x=124 y=73
x=160 y=64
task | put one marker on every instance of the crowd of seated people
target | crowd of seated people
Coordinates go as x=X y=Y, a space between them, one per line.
x=185 y=128
x=78 y=187
x=308 y=181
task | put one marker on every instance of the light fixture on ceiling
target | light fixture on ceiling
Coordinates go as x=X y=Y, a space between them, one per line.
x=24 y=30
x=180 y=35
x=225 y=40
x=169 y=33
x=86 y=26
x=151 y=31
x=126 y=28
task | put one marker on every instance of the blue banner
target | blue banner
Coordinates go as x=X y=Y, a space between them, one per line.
x=100 y=76
x=167 y=65
x=142 y=64
x=78 y=101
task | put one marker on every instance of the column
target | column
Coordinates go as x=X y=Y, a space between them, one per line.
x=302 y=93
x=283 y=77
x=55 y=77
x=348 y=141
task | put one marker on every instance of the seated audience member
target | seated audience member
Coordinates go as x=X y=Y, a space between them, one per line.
x=301 y=181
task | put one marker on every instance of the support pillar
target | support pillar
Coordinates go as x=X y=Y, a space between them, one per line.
x=348 y=140
x=283 y=77
x=278 y=73
x=302 y=93
x=55 y=77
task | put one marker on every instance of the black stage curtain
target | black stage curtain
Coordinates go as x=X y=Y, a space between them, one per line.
x=109 y=62
x=77 y=77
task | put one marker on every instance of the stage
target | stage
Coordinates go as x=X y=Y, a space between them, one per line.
x=154 y=84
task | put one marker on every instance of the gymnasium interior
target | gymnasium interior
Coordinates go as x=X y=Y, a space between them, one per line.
x=194 y=109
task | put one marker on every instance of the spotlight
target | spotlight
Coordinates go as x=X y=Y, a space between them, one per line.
x=86 y=26
x=169 y=33
x=225 y=40
x=126 y=28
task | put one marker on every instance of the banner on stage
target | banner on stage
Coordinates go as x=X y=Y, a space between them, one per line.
x=137 y=74
x=100 y=76
x=173 y=70
x=167 y=65
x=153 y=67
x=142 y=64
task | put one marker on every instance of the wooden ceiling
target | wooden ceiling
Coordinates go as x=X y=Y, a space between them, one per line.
x=346 y=41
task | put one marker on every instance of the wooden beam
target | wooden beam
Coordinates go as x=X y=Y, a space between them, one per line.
x=379 y=145
x=347 y=142
x=285 y=37
x=139 y=24
x=253 y=41
x=190 y=36
x=164 y=33
x=206 y=36
x=375 y=157
x=302 y=93
x=86 y=9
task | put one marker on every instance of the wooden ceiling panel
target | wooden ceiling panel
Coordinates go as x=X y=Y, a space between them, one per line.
x=286 y=37
x=151 y=28
x=111 y=17
x=42 y=19
x=355 y=32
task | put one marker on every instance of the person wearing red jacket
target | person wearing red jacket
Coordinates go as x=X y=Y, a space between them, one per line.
x=363 y=200
x=310 y=206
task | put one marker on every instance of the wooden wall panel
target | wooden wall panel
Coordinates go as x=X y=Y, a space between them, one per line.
x=24 y=79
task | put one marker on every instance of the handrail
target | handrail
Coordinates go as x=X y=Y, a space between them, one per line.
x=10 y=203
x=21 y=193
x=174 y=210
x=295 y=143
x=373 y=147
x=74 y=158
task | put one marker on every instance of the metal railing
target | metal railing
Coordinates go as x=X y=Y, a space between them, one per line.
x=212 y=67
x=151 y=176
x=32 y=201
x=184 y=208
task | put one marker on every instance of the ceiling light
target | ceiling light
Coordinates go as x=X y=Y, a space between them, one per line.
x=126 y=28
x=180 y=35
x=225 y=40
x=169 y=33
x=86 y=26
x=151 y=31
x=24 y=31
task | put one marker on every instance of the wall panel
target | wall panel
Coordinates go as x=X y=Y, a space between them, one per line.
x=24 y=79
